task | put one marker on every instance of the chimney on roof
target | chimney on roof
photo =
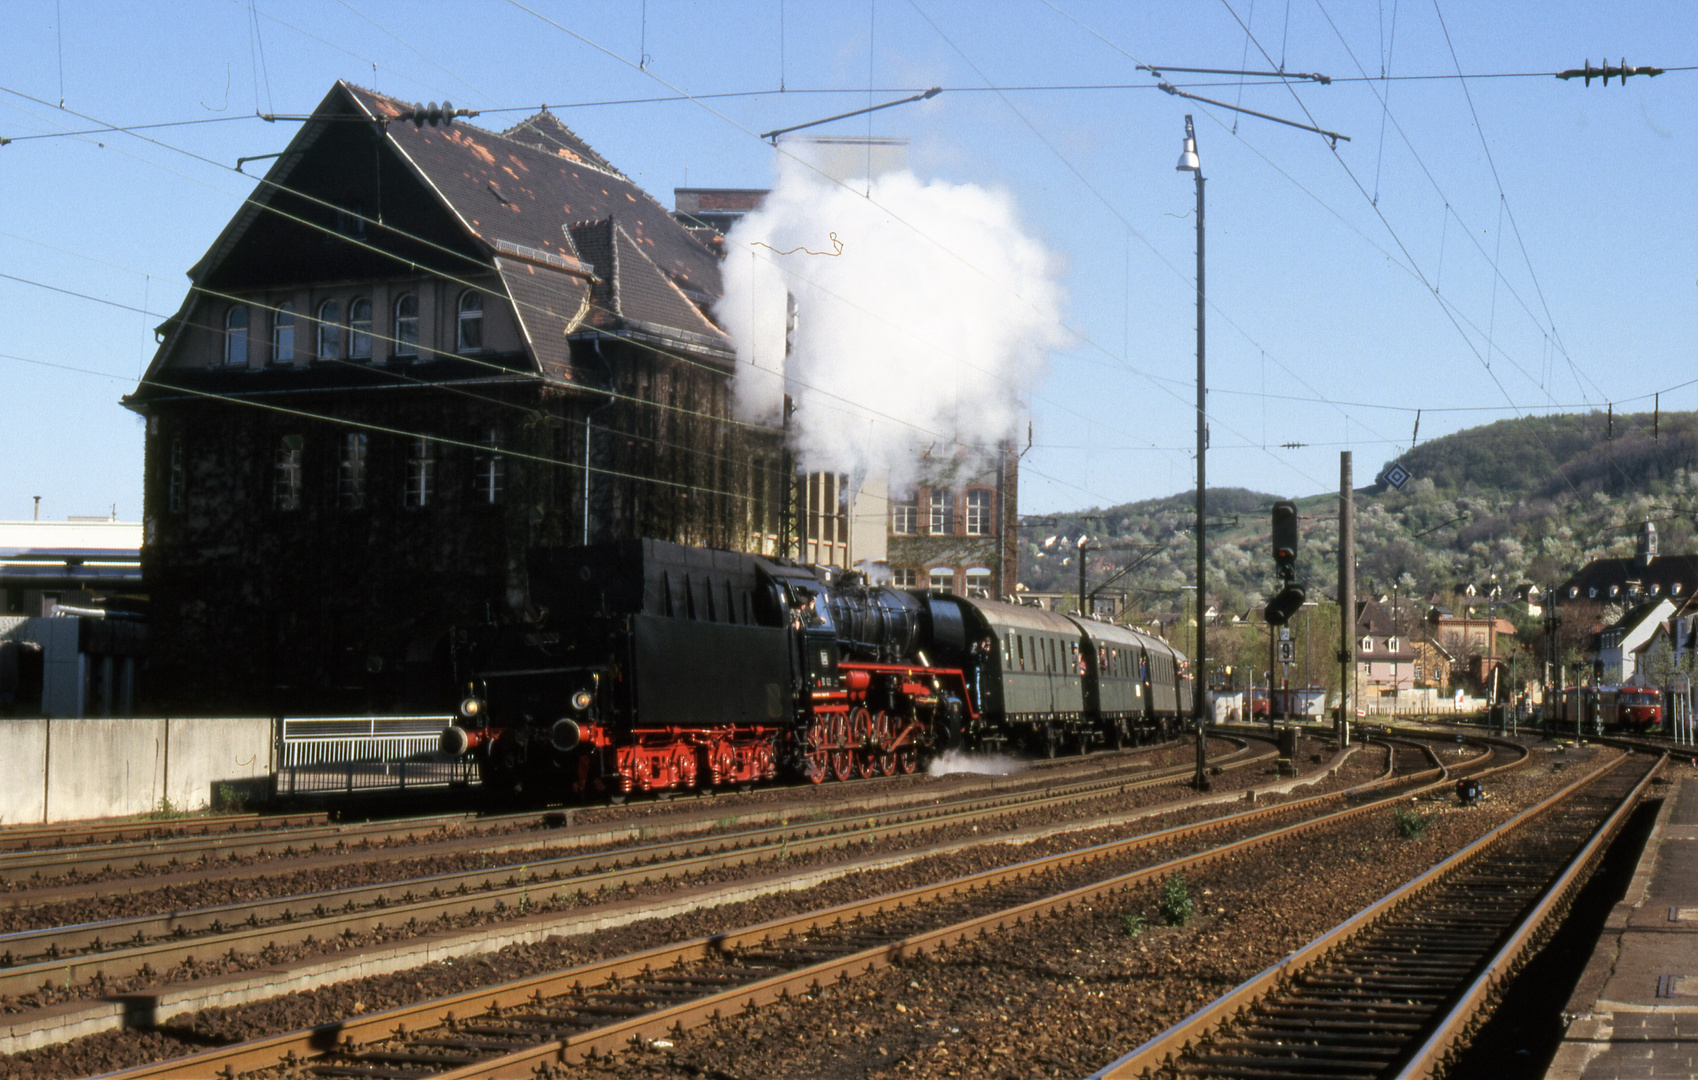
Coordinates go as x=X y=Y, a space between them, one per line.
x=1645 y=548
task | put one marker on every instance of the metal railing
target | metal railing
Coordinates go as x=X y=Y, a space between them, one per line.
x=319 y=755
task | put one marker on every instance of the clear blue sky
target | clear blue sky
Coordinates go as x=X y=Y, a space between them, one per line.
x=1324 y=327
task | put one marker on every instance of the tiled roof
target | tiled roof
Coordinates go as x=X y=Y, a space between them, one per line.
x=1664 y=571
x=530 y=184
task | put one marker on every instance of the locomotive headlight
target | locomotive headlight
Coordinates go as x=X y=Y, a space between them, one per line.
x=582 y=699
x=471 y=707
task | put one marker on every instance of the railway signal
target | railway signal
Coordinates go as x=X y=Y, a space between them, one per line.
x=1288 y=600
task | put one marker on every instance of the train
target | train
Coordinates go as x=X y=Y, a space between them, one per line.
x=1637 y=710
x=645 y=666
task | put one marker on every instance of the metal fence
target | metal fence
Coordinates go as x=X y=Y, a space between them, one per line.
x=365 y=754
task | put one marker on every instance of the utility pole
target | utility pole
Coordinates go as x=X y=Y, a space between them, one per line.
x=1346 y=594
x=1188 y=162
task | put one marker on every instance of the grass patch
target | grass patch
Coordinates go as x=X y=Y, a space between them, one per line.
x=1411 y=823
x=1176 y=905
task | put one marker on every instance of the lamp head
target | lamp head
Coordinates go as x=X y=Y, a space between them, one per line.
x=1188 y=156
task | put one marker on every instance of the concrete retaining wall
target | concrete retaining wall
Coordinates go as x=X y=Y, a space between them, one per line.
x=67 y=770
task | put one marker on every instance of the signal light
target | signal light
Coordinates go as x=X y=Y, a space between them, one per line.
x=1284 y=605
x=1285 y=538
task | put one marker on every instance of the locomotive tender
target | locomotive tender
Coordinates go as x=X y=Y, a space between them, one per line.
x=652 y=666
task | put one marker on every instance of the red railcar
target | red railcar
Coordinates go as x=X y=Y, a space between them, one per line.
x=1635 y=709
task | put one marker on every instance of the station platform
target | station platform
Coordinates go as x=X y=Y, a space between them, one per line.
x=1634 y=1012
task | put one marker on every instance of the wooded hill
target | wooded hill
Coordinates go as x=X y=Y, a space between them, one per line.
x=1530 y=500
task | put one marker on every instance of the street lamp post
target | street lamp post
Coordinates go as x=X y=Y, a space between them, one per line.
x=1188 y=163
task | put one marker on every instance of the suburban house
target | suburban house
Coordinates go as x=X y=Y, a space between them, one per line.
x=1621 y=645
x=1385 y=660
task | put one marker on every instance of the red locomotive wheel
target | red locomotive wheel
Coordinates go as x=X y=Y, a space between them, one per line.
x=863 y=739
x=842 y=755
x=881 y=731
x=817 y=766
x=907 y=759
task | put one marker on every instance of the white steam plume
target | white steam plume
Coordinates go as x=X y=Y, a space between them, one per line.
x=924 y=332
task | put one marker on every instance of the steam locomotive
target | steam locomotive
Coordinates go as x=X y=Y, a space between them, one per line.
x=653 y=667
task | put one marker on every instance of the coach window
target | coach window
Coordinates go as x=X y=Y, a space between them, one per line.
x=469 y=339
x=359 y=329
x=329 y=330
x=1020 y=647
x=283 y=335
x=236 y=336
x=407 y=325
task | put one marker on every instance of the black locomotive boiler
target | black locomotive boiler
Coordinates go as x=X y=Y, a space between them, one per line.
x=652 y=666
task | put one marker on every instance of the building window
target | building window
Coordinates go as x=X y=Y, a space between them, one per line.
x=286 y=476
x=351 y=472
x=905 y=578
x=179 y=481
x=407 y=326
x=942 y=518
x=1417 y=671
x=359 y=329
x=1674 y=590
x=1391 y=644
x=1592 y=592
x=1367 y=644
x=978 y=513
x=1573 y=592
x=1615 y=590
x=283 y=335
x=905 y=517
x=421 y=472
x=489 y=469
x=979 y=582
x=236 y=336
x=942 y=579
x=470 y=336
x=329 y=330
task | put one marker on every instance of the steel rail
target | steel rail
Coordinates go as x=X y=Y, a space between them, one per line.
x=185 y=853
x=70 y=955
x=1453 y=1030
x=85 y=833
x=1163 y=1054
x=848 y=962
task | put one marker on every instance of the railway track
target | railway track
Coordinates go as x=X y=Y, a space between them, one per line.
x=74 y=851
x=85 y=833
x=1395 y=990
x=598 y=1008
x=71 y=955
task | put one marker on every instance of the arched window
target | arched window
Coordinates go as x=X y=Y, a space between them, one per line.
x=359 y=329
x=978 y=513
x=469 y=339
x=329 y=330
x=236 y=336
x=283 y=334
x=978 y=582
x=407 y=326
x=942 y=578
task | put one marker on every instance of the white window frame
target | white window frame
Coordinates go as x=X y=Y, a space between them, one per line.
x=979 y=582
x=905 y=577
x=351 y=471
x=940 y=513
x=421 y=473
x=905 y=518
x=934 y=579
x=978 y=516
x=489 y=469
x=286 y=474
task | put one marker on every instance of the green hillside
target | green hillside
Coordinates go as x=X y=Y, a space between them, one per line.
x=1529 y=500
